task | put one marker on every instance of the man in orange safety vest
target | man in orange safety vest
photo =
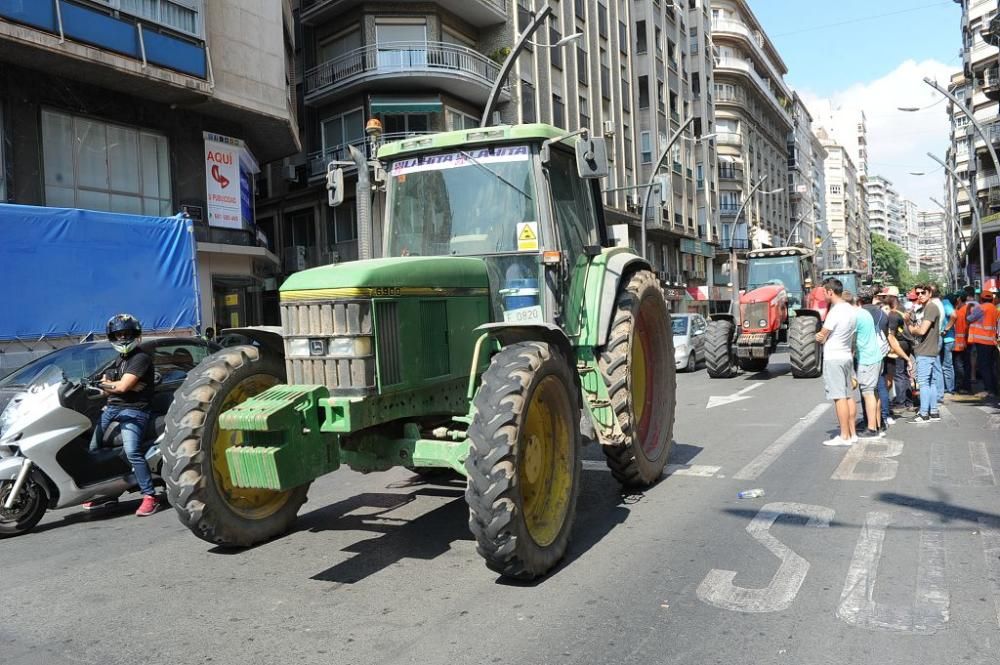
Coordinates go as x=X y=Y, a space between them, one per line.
x=983 y=337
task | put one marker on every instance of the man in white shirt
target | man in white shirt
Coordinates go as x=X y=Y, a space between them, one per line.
x=837 y=338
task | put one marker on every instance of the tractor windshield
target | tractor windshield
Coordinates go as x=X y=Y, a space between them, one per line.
x=784 y=270
x=461 y=203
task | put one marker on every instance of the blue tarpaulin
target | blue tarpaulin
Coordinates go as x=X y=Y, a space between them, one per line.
x=67 y=271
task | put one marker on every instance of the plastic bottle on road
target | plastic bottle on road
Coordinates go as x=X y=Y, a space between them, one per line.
x=750 y=494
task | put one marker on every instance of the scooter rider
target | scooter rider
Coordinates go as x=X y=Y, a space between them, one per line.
x=129 y=388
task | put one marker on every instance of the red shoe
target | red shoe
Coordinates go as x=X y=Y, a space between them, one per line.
x=149 y=505
x=97 y=504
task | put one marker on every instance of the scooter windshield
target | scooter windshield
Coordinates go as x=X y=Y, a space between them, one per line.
x=50 y=376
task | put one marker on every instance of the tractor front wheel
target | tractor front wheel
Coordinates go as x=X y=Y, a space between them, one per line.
x=804 y=352
x=638 y=368
x=720 y=355
x=523 y=465
x=194 y=452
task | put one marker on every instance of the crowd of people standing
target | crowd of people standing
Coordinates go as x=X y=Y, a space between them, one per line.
x=905 y=356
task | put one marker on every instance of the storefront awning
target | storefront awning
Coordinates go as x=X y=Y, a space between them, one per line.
x=418 y=104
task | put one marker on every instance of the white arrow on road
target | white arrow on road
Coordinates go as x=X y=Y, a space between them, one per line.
x=719 y=400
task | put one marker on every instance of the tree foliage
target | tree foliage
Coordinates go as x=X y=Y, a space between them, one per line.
x=890 y=259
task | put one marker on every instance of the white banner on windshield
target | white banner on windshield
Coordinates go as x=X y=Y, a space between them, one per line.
x=452 y=160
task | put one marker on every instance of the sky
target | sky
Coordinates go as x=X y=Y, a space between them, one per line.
x=872 y=56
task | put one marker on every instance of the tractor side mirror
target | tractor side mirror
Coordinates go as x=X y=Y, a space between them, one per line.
x=592 y=157
x=334 y=185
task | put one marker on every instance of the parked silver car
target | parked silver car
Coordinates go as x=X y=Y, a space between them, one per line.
x=689 y=340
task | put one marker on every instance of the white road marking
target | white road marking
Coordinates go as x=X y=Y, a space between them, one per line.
x=982 y=468
x=760 y=463
x=717 y=400
x=871 y=452
x=947 y=417
x=994 y=417
x=979 y=458
x=930 y=610
x=717 y=588
x=989 y=533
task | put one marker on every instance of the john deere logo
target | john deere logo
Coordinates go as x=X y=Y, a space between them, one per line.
x=317 y=347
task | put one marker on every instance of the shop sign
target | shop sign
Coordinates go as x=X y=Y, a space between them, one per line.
x=229 y=171
x=673 y=293
x=697 y=247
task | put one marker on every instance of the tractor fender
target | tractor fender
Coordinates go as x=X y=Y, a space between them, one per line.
x=722 y=317
x=512 y=333
x=613 y=271
x=807 y=312
x=267 y=337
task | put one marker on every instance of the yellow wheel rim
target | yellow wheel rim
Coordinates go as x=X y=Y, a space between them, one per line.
x=254 y=504
x=545 y=472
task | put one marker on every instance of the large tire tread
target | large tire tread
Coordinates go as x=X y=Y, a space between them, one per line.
x=187 y=460
x=491 y=492
x=805 y=353
x=629 y=466
x=719 y=350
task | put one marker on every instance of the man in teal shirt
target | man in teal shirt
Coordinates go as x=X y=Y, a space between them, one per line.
x=868 y=352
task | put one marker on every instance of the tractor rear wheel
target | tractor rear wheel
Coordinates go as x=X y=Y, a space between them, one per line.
x=524 y=465
x=804 y=352
x=753 y=364
x=720 y=356
x=639 y=370
x=194 y=452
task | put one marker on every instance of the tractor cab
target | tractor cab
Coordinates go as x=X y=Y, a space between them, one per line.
x=785 y=266
x=849 y=277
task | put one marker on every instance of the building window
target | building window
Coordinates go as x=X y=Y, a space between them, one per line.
x=584 y=116
x=339 y=46
x=459 y=120
x=628 y=150
x=581 y=12
x=341 y=130
x=581 y=66
x=645 y=148
x=527 y=103
x=622 y=37
x=558 y=112
x=181 y=15
x=602 y=20
x=555 y=53
x=643 y=92
x=606 y=81
x=100 y=166
x=836 y=189
x=640 y=37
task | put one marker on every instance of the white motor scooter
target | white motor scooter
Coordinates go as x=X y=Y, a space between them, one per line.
x=45 y=461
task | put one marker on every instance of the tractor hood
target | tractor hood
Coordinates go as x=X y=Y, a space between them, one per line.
x=415 y=275
x=765 y=293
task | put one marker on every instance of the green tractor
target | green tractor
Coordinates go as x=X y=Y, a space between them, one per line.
x=499 y=331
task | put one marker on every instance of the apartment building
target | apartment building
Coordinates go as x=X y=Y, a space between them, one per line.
x=636 y=71
x=978 y=87
x=116 y=105
x=806 y=183
x=933 y=248
x=753 y=111
x=885 y=211
x=848 y=244
x=911 y=232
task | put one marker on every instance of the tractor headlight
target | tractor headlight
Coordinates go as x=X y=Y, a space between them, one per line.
x=355 y=347
x=746 y=324
x=298 y=348
x=762 y=323
x=324 y=347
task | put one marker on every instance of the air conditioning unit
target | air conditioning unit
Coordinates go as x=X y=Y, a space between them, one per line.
x=329 y=258
x=294 y=258
x=290 y=172
x=609 y=128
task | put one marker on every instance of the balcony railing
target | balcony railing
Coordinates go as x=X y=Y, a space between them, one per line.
x=479 y=13
x=730 y=173
x=319 y=159
x=729 y=209
x=747 y=67
x=756 y=38
x=728 y=138
x=726 y=244
x=401 y=58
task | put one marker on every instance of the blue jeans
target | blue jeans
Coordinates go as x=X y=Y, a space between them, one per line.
x=928 y=370
x=939 y=375
x=133 y=425
x=883 y=395
x=948 y=366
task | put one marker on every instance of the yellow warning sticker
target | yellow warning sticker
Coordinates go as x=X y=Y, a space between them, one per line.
x=527 y=237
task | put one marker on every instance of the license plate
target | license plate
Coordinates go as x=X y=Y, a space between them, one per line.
x=524 y=315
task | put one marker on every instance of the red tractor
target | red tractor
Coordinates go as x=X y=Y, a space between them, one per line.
x=779 y=305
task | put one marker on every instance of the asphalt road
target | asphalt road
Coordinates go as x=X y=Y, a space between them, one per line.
x=886 y=553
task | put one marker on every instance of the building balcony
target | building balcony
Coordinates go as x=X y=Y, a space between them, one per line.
x=480 y=13
x=60 y=32
x=319 y=159
x=745 y=68
x=986 y=182
x=405 y=67
x=728 y=209
x=739 y=29
x=729 y=138
x=991 y=81
x=729 y=244
x=730 y=173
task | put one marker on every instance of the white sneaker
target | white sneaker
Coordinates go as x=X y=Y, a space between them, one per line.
x=854 y=439
x=837 y=441
x=890 y=421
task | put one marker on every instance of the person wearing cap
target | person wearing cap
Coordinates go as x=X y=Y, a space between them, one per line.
x=983 y=337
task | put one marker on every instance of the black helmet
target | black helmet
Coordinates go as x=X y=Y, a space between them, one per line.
x=124 y=331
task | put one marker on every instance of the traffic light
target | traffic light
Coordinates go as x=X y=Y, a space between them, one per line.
x=334 y=185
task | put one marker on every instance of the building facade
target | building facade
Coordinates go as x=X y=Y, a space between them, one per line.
x=806 y=183
x=933 y=248
x=978 y=87
x=115 y=105
x=849 y=244
x=911 y=226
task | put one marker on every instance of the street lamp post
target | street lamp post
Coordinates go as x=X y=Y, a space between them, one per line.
x=975 y=214
x=993 y=155
x=734 y=269
x=652 y=176
x=953 y=232
x=508 y=64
